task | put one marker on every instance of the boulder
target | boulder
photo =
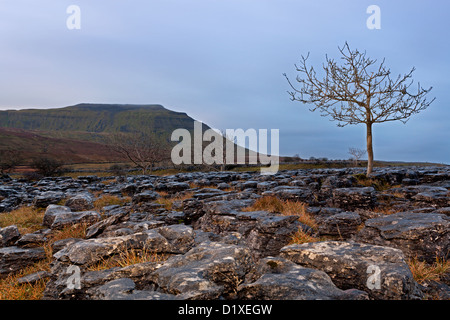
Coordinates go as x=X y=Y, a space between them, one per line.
x=195 y=209
x=9 y=235
x=60 y=244
x=80 y=202
x=422 y=235
x=271 y=232
x=180 y=236
x=52 y=211
x=380 y=271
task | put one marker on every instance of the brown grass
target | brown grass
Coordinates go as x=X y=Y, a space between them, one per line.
x=75 y=231
x=168 y=200
x=386 y=210
x=27 y=219
x=301 y=237
x=284 y=207
x=377 y=184
x=108 y=200
x=423 y=271
x=11 y=290
x=108 y=182
x=128 y=258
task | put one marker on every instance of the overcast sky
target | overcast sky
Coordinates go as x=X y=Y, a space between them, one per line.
x=222 y=62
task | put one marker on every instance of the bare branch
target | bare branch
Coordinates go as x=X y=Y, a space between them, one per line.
x=357 y=91
x=143 y=150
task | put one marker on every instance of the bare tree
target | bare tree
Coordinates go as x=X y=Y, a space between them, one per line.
x=356 y=154
x=9 y=159
x=47 y=167
x=143 y=150
x=358 y=91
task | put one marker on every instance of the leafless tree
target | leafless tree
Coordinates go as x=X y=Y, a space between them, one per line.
x=358 y=91
x=356 y=154
x=143 y=150
x=47 y=167
x=9 y=159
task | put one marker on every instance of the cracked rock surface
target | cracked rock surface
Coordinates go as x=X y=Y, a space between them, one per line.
x=200 y=240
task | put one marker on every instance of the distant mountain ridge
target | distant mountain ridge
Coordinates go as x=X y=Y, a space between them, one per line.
x=98 y=118
x=80 y=133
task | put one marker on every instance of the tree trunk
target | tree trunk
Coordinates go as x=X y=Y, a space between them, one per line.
x=369 y=149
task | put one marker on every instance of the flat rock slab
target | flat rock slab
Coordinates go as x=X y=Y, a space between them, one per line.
x=353 y=198
x=281 y=279
x=264 y=232
x=71 y=218
x=34 y=277
x=208 y=271
x=343 y=224
x=44 y=199
x=380 y=271
x=125 y=289
x=145 y=196
x=291 y=193
x=425 y=235
x=13 y=259
x=88 y=252
x=35 y=239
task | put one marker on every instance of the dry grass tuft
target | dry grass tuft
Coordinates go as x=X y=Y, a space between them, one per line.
x=386 y=210
x=167 y=200
x=75 y=231
x=423 y=271
x=127 y=258
x=301 y=237
x=10 y=289
x=108 y=182
x=108 y=200
x=284 y=207
x=27 y=219
x=377 y=184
